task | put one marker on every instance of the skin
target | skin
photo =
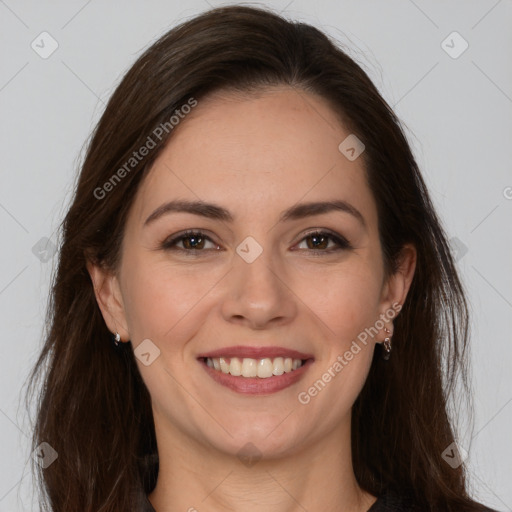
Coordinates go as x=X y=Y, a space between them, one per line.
x=256 y=156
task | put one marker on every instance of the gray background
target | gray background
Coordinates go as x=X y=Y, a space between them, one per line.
x=458 y=117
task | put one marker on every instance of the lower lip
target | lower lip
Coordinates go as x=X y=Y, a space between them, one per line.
x=257 y=385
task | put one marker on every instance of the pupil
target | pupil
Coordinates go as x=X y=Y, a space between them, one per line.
x=316 y=239
x=193 y=241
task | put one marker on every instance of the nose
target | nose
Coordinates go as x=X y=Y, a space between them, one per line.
x=257 y=294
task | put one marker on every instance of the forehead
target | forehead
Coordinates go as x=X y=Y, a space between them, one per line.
x=259 y=152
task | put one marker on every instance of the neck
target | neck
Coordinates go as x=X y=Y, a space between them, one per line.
x=195 y=477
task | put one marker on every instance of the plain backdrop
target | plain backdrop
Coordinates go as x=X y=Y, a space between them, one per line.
x=445 y=67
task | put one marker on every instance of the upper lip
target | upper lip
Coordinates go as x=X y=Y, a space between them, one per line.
x=255 y=352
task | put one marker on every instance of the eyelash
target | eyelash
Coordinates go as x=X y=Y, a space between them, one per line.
x=169 y=244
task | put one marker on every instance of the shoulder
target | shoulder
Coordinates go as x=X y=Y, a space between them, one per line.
x=393 y=501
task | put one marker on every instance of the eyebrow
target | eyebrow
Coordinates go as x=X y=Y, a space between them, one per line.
x=216 y=212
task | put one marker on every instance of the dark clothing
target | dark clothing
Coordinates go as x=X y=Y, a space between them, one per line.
x=391 y=502
x=388 y=502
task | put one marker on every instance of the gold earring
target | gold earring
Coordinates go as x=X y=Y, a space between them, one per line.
x=387 y=345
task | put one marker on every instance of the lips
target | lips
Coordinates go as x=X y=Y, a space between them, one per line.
x=255 y=370
x=241 y=351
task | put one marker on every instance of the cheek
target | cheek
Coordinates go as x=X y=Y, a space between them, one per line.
x=346 y=299
x=163 y=301
x=348 y=306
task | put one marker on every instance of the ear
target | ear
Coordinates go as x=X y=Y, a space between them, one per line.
x=397 y=286
x=109 y=299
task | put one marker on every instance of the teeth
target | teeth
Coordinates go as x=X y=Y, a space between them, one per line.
x=265 y=368
x=224 y=365
x=235 y=367
x=248 y=367
x=278 y=366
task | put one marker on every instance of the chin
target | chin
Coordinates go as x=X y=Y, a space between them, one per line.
x=258 y=439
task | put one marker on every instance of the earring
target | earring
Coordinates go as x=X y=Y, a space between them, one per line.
x=117 y=339
x=387 y=345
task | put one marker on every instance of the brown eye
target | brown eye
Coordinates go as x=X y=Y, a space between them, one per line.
x=318 y=241
x=191 y=241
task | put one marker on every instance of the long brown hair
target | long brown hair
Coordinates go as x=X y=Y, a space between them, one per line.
x=93 y=407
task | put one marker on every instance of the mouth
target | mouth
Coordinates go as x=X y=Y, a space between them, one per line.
x=248 y=367
x=256 y=370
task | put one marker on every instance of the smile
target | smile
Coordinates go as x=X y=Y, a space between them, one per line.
x=255 y=370
x=249 y=367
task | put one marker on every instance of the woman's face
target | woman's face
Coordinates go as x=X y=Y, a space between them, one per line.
x=255 y=283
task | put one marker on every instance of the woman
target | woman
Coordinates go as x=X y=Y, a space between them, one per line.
x=252 y=231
